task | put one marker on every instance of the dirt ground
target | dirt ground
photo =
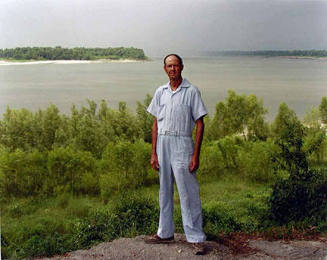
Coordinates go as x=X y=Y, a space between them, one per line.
x=135 y=248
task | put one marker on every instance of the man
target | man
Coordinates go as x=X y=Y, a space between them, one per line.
x=177 y=107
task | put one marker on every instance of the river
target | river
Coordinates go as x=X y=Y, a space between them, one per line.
x=299 y=82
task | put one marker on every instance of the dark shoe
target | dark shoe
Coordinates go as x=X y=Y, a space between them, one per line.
x=199 y=248
x=158 y=240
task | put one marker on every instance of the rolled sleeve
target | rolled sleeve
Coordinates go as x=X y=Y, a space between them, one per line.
x=198 y=108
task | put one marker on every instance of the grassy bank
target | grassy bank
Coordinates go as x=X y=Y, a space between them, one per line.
x=55 y=225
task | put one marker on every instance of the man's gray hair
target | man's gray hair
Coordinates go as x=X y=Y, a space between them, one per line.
x=177 y=56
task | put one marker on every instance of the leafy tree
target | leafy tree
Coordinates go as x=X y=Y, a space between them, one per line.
x=315 y=137
x=66 y=168
x=145 y=119
x=312 y=117
x=314 y=144
x=23 y=173
x=17 y=129
x=288 y=134
x=299 y=199
x=323 y=110
x=125 y=124
x=85 y=130
x=125 y=165
x=49 y=122
x=239 y=114
x=303 y=194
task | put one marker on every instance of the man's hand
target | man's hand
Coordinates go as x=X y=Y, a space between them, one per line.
x=194 y=164
x=154 y=162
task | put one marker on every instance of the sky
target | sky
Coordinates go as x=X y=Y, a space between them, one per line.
x=188 y=27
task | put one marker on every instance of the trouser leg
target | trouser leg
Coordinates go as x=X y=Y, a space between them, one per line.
x=166 y=221
x=188 y=190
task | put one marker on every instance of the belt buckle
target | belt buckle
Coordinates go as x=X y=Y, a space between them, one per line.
x=171 y=133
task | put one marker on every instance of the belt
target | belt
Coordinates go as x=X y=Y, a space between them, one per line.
x=173 y=133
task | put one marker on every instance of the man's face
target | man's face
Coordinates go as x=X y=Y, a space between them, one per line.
x=173 y=68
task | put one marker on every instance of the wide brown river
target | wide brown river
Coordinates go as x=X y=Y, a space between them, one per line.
x=299 y=82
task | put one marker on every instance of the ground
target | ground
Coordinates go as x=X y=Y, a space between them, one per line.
x=253 y=248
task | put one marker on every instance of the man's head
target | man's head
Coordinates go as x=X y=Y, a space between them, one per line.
x=173 y=65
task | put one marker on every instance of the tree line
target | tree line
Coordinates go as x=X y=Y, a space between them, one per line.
x=272 y=53
x=77 y=53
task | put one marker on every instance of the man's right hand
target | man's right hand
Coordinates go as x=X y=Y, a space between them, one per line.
x=154 y=162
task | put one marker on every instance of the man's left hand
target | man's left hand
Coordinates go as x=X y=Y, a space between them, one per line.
x=194 y=164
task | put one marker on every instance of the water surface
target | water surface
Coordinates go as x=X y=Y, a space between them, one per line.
x=299 y=82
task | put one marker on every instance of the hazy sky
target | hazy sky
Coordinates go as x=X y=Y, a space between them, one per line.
x=162 y=26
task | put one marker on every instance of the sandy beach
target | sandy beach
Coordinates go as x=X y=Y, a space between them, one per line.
x=8 y=63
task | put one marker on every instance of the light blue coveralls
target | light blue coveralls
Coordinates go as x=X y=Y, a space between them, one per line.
x=176 y=113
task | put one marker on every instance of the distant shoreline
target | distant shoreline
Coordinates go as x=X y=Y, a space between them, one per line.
x=301 y=57
x=5 y=62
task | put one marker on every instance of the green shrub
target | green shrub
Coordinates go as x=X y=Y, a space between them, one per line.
x=41 y=235
x=211 y=161
x=90 y=184
x=129 y=215
x=145 y=119
x=66 y=168
x=17 y=129
x=99 y=226
x=288 y=134
x=125 y=165
x=256 y=161
x=300 y=197
x=112 y=183
x=219 y=218
x=137 y=214
x=25 y=130
x=22 y=173
x=229 y=147
x=239 y=114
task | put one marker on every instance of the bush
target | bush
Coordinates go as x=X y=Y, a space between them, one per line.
x=18 y=129
x=239 y=114
x=22 y=173
x=129 y=215
x=137 y=214
x=125 y=165
x=300 y=197
x=22 y=129
x=219 y=218
x=211 y=160
x=66 y=168
x=42 y=235
x=112 y=183
x=229 y=147
x=256 y=161
x=90 y=184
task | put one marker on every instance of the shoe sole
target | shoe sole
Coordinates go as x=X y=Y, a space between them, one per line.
x=158 y=241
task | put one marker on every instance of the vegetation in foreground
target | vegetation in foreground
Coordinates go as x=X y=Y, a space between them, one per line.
x=69 y=181
x=77 y=53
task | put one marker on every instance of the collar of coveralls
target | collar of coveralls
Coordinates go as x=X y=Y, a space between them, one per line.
x=185 y=84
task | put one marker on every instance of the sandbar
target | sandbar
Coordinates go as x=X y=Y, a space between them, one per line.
x=36 y=62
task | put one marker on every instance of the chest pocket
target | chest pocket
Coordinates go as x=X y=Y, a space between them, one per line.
x=161 y=112
x=183 y=116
